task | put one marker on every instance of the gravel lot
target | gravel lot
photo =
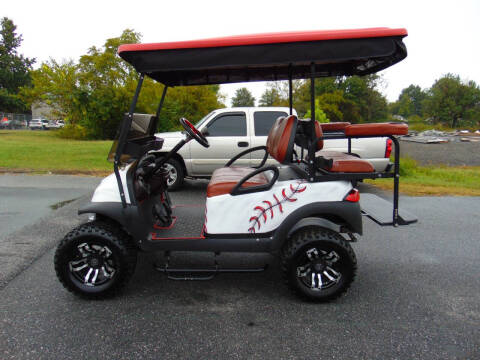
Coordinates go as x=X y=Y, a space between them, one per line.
x=452 y=153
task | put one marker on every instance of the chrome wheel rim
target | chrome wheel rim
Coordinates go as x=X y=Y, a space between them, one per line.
x=320 y=269
x=93 y=265
x=172 y=174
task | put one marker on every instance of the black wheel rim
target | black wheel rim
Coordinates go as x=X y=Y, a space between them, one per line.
x=92 y=265
x=319 y=269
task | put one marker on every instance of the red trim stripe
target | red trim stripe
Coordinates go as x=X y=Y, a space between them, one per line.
x=267 y=38
x=154 y=237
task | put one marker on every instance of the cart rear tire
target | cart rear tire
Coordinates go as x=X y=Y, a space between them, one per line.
x=318 y=264
x=95 y=260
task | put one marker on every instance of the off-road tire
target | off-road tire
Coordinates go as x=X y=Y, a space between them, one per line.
x=177 y=184
x=320 y=238
x=124 y=254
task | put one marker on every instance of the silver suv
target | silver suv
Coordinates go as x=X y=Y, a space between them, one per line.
x=39 y=124
x=233 y=130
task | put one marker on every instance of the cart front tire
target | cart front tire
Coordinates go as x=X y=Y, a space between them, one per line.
x=318 y=264
x=95 y=260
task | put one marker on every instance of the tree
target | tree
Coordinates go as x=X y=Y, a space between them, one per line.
x=451 y=100
x=93 y=94
x=369 y=105
x=354 y=99
x=320 y=115
x=242 y=98
x=14 y=68
x=270 y=97
x=409 y=102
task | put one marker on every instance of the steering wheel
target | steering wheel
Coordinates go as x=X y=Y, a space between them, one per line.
x=194 y=133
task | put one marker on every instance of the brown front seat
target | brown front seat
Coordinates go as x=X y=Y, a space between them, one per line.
x=280 y=143
x=281 y=138
x=224 y=180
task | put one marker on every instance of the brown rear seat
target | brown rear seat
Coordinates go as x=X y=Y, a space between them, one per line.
x=341 y=162
x=346 y=163
x=378 y=129
x=334 y=126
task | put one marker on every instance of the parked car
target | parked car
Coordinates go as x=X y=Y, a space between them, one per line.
x=5 y=123
x=38 y=124
x=232 y=130
x=57 y=124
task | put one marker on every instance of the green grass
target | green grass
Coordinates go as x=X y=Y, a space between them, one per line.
x=43 y=151
x=435 y=180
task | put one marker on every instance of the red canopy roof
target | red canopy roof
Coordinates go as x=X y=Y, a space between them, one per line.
x=267 y=38
x=268 y=57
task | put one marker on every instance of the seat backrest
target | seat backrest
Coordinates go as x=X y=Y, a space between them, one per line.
x=281 y=138
x=319 y=133
x=304 y=130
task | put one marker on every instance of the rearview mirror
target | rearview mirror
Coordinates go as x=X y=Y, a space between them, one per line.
x=204 y=131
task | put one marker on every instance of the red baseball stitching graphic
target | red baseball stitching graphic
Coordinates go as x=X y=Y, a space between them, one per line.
x=267 y=207
x=204 y=230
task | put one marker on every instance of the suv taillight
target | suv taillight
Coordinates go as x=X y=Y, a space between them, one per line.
x=353 y=196
x=388 y=148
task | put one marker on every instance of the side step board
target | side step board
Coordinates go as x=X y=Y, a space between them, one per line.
x=381 y=211
x=201 y=274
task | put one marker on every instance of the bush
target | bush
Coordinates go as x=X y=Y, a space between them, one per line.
x=74 y=132
x=415 y=119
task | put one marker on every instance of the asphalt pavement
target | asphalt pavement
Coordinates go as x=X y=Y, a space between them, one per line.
x=27 y=204
x=27 y=198
x=416 y=296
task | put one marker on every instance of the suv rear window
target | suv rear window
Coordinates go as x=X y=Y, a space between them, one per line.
x=263 y=121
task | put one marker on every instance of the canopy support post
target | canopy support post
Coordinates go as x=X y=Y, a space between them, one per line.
x=123 y=138
x=160 y=105
x=396 y=180
x=159 y=108
x=313 y=137
x=290 y=90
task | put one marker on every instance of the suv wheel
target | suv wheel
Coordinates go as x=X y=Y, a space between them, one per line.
x=176 y=174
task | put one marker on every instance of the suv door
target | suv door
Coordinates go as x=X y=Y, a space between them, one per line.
x=262 y=123
x=228 y=136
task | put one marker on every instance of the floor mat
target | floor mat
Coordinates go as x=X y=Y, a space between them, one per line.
x=187 y=223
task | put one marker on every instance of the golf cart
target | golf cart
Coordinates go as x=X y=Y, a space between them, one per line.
x=305 y=209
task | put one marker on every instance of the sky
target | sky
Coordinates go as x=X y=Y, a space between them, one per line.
x=443 y=35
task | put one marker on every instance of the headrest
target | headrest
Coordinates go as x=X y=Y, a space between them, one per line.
x=281 y=138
